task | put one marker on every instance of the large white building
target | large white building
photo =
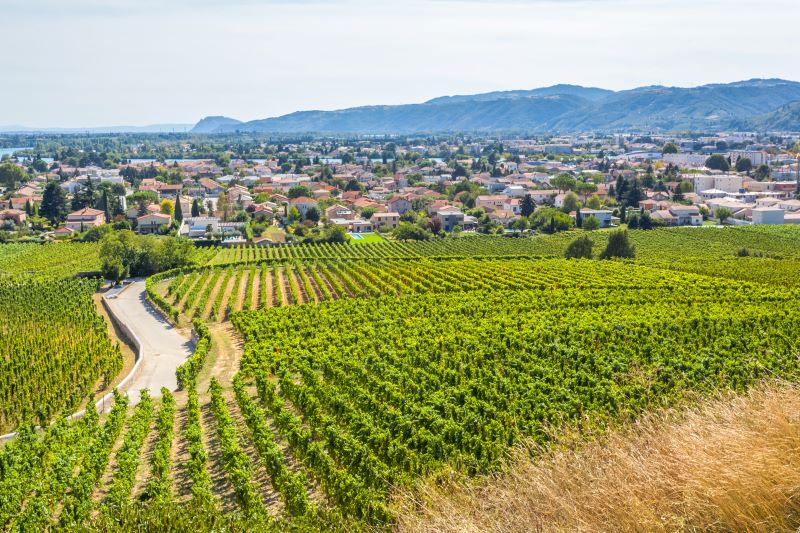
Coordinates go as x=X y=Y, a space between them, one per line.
x=723 y=182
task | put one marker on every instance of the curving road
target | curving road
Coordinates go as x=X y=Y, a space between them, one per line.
x=163 y=349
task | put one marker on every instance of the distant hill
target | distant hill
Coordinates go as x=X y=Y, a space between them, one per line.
x=210 y=124
x=786 y=118
x=745 y=105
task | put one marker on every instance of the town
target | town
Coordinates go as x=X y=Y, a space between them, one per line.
x=370 y=189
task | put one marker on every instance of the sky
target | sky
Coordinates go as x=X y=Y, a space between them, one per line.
x=84 y=63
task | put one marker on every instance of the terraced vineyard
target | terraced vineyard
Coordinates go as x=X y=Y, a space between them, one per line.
x=359 y=376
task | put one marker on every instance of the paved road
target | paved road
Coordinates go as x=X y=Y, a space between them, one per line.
x=163 y=348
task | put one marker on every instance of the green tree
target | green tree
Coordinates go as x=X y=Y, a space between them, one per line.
x=406 y=231
x=762 y=172
x=580 y=248
x=618 y=246
x=54 y=203
x=670 y=148
x=11 y=175
x=594 y=202
x=743 y=164
x=718 y=162
x=298 y=190
x=114 y=270
x=723 y=214
x=563 y=182
x=195 y=208
x=571 y=202
x=591 y=223
x=178 y=209
x=526 y=206
x=313 y=214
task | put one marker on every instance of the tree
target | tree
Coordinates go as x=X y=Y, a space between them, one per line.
x=11 y=174
x=294 y=214
x=578 y=219
x=54 y=203
x=585 y=188
x=743 y=164
x=313 y=214
x=563 y=182
x=580 y=248
x=195 y=208
x=405 y=231
x=762 y=172
x=591 y=223
x=594 y=202
x=526 y=206
x=723 y=214
x=367 y=212
x=618 y=246
x=178 y=209
x=571 y=202
x=634 y=194
x=166 y=207
x=113 y=269
x=521 y=224
x=298 y=190
x=670 y=148
x=718 y=162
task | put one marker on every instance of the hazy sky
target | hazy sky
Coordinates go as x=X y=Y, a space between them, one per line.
x=76 y=63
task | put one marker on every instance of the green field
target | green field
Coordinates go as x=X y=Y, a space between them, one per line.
x=363 y=369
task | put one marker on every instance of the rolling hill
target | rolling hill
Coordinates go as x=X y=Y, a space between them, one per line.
x=745 y=105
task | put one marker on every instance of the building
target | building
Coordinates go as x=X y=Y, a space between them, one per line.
x=391 y=220
x=152 y=223
x=303 y=204
x=339 y=211
x=399 y=205
x=449 y=217
x=84 y=219
x=13 y=216
x=723 y=182
x=602 y=215
x=768 y=215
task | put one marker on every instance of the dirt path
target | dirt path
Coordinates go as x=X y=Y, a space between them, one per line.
x=143 y=476
x=179 y=455
x=256 y=292
x=284 y=281
x=163 y=349
x=268 y=291
x=223 y=304
x=241 y=290
x=261 y=477
x=211 y=298
x=220 y=485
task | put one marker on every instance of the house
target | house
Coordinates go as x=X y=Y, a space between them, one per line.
x=14 y=216
x=152 y=223
x=490 y=201
x=603 y=215
x=339 y=211
x=210 y=186
x=391 y=220
x=449 y=217
x=768 y=215
x=357 y=225
x=686 y=215
x=85 y=218
x=196 y=227
x=303 y=204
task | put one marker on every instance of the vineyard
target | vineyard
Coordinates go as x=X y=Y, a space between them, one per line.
x=54 y=349
x=652 y=245
x=362 y=370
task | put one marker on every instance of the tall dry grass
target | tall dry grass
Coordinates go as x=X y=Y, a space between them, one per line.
x=729 y=464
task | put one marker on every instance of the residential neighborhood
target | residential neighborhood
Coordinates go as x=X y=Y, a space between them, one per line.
x=416 y=189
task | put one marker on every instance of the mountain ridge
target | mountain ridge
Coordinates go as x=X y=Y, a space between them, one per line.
x=558 y=108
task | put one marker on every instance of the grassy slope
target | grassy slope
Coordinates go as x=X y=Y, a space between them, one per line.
x=730 y=464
